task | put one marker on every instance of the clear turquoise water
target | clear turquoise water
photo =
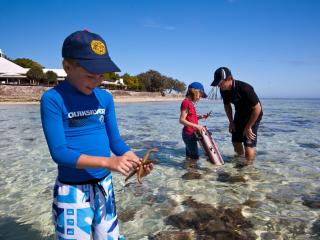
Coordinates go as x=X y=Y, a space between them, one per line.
x=286 y=169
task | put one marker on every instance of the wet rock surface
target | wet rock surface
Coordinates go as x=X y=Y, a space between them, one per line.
x=213 y=223
x=269 y=236
x=126 y=215
x=173 y=235
x=311 y=201
x=191 y=176
x=227 y=177
x=315 y=230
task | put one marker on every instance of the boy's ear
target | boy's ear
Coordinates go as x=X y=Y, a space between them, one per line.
x=66 y=65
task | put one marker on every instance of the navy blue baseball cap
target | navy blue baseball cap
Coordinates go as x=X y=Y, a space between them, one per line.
x=220 y=74
x=89 y=50
x=198 y=86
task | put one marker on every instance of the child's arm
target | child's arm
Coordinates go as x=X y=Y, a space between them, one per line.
x=183 y=120
x=122 y=164
x=205 y=116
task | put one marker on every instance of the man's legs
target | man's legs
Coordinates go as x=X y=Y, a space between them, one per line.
x=238 y=148
x=250 y=154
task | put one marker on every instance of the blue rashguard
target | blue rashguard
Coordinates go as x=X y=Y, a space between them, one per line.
x=75 y=124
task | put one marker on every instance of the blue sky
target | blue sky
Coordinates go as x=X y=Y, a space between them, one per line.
x=272 y=44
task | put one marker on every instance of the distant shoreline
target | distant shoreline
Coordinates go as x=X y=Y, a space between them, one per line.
x=32 y=95
x=116 y=100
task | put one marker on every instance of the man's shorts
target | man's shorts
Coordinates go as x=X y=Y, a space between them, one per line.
x=85 y=211
x=238 y=135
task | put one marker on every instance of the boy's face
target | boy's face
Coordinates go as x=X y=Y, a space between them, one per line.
x=81 y=79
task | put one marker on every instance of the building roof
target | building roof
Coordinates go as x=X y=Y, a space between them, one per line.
x=60 y=72
x=7 y=66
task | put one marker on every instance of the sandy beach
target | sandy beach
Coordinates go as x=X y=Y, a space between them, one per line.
x=32 y=94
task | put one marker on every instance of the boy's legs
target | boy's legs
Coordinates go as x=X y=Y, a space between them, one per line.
x=84 y=210
x=72 y=213
x=105 y=223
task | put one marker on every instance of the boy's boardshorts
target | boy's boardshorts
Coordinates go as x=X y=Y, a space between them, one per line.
x=85 y=211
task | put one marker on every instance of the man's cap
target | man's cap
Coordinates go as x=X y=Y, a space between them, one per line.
x=89 y=50
x=220 y=74
x=198 y=86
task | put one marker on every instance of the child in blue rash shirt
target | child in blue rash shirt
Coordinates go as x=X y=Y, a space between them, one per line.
x=79 y=123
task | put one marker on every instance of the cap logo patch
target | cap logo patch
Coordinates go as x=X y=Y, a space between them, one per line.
x=98 y=47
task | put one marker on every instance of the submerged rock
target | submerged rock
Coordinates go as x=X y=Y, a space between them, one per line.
x=209 y=222
x=311 y=201
x=316 y=229
x=172 y=235
x=126 y=215
x=227 y=177
x=269 y=236
x=191 y=176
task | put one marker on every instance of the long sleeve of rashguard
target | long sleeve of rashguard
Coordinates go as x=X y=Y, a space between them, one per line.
x=117 y=145
x=52 y=124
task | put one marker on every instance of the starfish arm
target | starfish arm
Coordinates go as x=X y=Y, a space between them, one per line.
x=130 y=175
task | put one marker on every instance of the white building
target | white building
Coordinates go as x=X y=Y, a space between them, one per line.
x=11 y=73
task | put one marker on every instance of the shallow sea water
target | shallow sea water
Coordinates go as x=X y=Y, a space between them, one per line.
x=285 y=171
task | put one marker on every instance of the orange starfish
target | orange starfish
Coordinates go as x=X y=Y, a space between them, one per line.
x=141 y=173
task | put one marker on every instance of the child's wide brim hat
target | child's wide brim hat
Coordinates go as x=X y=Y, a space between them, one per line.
x=198 y=86
x=89 y=50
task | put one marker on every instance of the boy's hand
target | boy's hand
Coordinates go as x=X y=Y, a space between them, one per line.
x=147 y=167
x=123 y=164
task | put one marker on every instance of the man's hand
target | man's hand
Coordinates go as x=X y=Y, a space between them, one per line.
x=248 y=133
x=232 y=127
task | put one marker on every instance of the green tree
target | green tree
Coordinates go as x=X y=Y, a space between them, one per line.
x=132 y=82
x=151 y=81
x=111 y=77
x=179 y=86
x=26 y=63
x=51 y=77
x=35 y=74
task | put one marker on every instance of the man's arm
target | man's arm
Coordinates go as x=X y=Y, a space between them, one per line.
x=228 y=111
x=256 y=110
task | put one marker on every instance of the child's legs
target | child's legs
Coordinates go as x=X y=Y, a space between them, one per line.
x=191 y=146
x=72 y=213
x=105 y=223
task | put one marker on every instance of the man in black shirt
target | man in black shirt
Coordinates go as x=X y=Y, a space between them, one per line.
x=248 y=111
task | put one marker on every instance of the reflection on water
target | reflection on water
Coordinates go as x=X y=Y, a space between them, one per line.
x=276 y=198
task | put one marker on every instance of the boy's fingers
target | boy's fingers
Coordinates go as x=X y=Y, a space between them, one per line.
x=125 y=167
x=136 y=160
x=123 y=172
